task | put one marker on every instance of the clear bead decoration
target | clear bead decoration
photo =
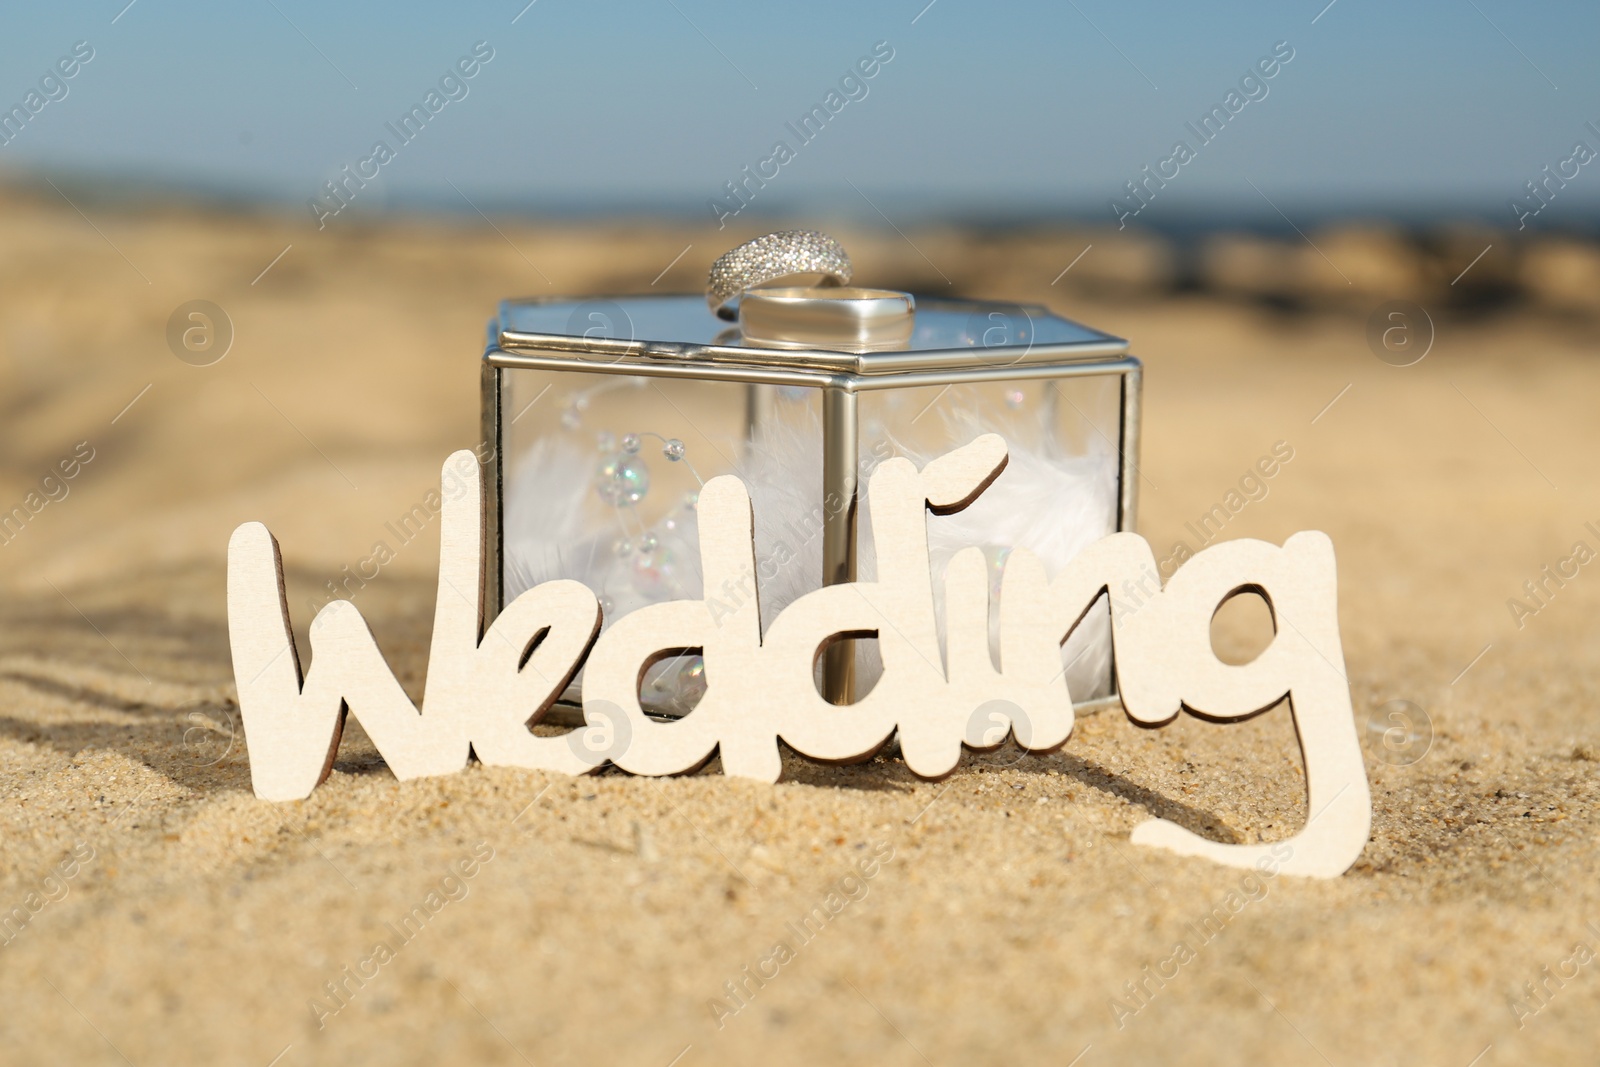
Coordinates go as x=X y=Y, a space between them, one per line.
x=621 y=480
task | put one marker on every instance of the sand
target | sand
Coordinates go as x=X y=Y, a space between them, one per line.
x=604 y=917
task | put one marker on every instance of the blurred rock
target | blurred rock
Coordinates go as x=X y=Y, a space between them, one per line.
x=1124 y=261
x=1344 y=265
x=1487 y=257
x=1248 y=266
x=1360 y=264
x=1562 y=273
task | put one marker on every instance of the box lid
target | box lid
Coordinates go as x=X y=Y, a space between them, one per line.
x=948 y=335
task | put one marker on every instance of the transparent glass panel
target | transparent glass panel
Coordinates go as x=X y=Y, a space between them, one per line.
x=1057 y=495
x=600 y=483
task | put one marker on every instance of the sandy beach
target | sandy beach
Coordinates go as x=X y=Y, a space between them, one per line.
x=160 y=914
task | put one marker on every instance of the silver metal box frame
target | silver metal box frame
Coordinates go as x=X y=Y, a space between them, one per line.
x=841 y=376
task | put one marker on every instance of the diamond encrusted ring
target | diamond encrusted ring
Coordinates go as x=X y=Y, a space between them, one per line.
x=767 y=259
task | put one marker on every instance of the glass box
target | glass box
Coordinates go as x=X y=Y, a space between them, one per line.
x=603 y=417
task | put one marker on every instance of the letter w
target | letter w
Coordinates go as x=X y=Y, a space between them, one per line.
x=293 y=722
x=485 y=688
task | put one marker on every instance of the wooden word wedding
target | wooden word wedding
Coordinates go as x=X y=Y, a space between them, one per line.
x=489 y=681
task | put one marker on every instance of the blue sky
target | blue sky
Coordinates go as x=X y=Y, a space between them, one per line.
x=986 y=109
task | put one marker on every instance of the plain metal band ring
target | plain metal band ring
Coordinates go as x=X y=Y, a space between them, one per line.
x=773 y=257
